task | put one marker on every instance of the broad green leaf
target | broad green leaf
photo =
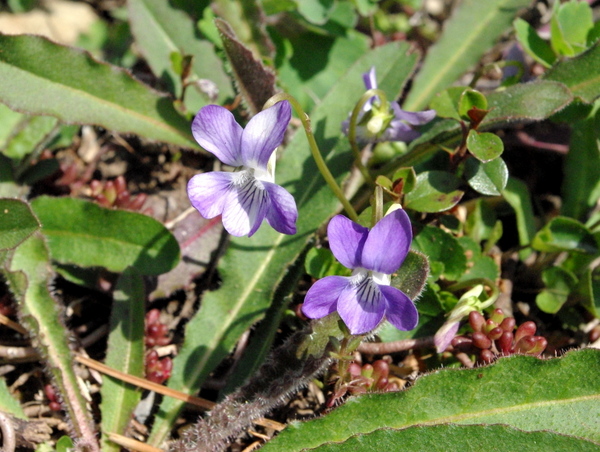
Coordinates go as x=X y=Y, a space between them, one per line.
x=29 y=276
x=33 y=132
x=320 y=262
x=43 y=78
x=559 y=284
x=445 y=103
x=559 y=395
x=532 y=101
x=535 y=46
x=9 y=119
x=17 y=222
x=478 y=265
x=435 y=191
x=315 y=11
x=253 y=267
x=580 y=74
x=125 y=353
x=565 y=234
x=443 y=248
x=82 y=233
x=569 y=27
x=480 y=221
x=485 y=146
x=581 y=185
x=517 y=195
x=309 y=64
x=426 y=438
x=161 y=29
x=472 y=30
x=488 y=178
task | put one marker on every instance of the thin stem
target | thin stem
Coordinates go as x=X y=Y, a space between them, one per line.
x=321 y=165
x=353 y=125
x=384 y=348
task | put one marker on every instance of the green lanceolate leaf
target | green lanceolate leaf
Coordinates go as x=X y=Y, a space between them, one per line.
x=8 y=403
x=499 y=438
x=581 y=74
x=581 y=185
x=29 y=275
x=558 y=395
x=33 y=132
x=254 y=80
x=17 y=222
x=78 y=89
x=535 y=46
x=84 y=234
x=565 y=234
x=253 y=267
x=487 y=178
x=471 y=30
x=160 y=30
x=435 y=191
x=517 y=195
x=125 y=353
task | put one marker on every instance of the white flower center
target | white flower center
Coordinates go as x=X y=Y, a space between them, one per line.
x=360 y=274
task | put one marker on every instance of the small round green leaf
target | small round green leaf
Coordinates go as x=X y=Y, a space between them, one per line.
x=471 y=98
x=559 y=284
x=17 y=222
x=484 y=146
x=488 y=178
x=565 y=234
x=435 y=191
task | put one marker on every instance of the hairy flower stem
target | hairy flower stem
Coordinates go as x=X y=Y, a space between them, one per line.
x=293 y=365
x=352 y=129
x=316 y=153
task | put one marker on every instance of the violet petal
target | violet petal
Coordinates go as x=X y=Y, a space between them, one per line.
x=361 y=306
x=208 y=192
x=215 y=129
x=401 y=311
x=370 y=79
x=264 y=133
x=321 y=299
x=346 y=240
x=416 y=118
x=245 y=207
x=283 y=213
x=388 y=243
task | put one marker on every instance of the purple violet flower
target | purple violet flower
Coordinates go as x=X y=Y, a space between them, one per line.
x=363 y=299
x=248 y=196
x=375 y=125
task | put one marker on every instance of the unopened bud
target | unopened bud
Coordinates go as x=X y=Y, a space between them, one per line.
x=508 y=324
x=481 y=341
x=497 y=316
x=486 y=356
x=476 y=321
x=526 y=329
x=505 y=342
x=496 y=333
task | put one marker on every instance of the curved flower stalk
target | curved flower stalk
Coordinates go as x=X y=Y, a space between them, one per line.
x=249 y=195
x=363 y=299
x=382 y=121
